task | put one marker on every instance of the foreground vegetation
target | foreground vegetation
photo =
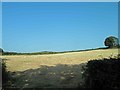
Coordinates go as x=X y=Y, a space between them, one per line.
x=103 y=73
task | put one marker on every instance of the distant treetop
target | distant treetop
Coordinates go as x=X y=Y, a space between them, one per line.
x=111 y=41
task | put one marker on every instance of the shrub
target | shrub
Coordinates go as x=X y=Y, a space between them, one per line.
x=102 y=74
x=6 y=79
x=5 y=75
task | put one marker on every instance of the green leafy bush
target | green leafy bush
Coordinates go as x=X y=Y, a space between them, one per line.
x=103 y=74
x=6 y=79
x=5 y=75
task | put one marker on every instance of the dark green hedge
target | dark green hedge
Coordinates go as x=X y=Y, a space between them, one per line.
x=6 y=78
x=5 y=75
x=103 y=74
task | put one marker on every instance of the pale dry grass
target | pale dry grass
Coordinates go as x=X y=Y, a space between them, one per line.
x=24 y=62
x=52 y=71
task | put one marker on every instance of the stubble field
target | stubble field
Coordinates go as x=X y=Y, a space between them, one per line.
x=52 y=71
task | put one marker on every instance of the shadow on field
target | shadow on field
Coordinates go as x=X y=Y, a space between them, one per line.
x=59 y=76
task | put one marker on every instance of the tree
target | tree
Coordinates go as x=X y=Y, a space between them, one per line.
x=111 y=41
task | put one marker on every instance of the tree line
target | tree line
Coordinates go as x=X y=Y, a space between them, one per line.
x=109 y=42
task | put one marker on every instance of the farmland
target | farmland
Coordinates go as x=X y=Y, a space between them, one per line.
x=53 y=70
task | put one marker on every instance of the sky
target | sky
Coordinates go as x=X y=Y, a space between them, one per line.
x=60 y=0
x=60 y=26
x=0 y=24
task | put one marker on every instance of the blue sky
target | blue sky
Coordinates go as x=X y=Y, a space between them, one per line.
x=32 y=27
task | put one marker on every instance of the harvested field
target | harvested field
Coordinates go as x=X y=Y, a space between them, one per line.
x=55 y=70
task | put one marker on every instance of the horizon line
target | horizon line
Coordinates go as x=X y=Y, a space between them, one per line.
x=57 y=51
